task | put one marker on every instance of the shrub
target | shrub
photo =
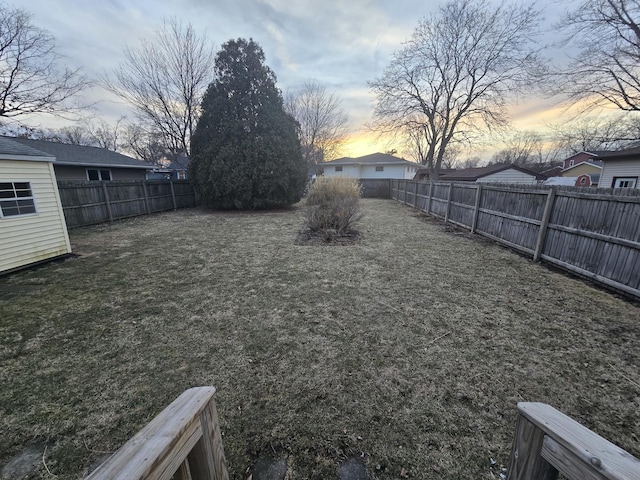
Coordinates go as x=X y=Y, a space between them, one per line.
x=333 y=205
x=245 y=151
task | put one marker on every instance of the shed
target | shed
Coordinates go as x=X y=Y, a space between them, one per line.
x=32 y=226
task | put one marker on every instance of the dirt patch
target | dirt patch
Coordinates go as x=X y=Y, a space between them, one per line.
x=308 y=237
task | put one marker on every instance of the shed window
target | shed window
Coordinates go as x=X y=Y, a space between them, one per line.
x=379 y=169
x=625 y=182
x=16 y=198
x=94 y=174
x=181 y=175
x=338 y=169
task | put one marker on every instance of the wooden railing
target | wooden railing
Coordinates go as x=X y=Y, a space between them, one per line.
x=547 y=443
x=182 y=442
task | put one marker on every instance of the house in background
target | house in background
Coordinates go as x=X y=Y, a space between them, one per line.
x=375 y=165
x=512 y=174
x=582 y=157
x=176 y=170
x=422 y=174
x=621 y=169
x=32 y=226
x=78 y=162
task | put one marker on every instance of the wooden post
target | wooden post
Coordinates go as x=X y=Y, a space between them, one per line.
x=526 y=462
x=146 y=197
x=476 y=210
x=446 y=214
x=173 y=194
x=430 y=196
x=542 y=233
x=207 y=460
x=106 y=200
x=415 y=195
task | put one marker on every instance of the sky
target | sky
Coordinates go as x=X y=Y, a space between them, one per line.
x=342 y=44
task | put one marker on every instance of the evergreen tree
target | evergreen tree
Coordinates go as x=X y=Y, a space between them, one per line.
x=245 y=149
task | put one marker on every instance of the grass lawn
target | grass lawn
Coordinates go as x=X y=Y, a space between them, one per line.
x=411 y=348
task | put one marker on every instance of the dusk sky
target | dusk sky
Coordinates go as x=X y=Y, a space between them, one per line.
x=340 y=43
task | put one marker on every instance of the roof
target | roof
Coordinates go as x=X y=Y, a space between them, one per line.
x=626 y=154
x=594 y=165
x=593 y=153
x=472 y=174
x=10 y=150
x=372 y=159
x=80 y=155
x=561 y=181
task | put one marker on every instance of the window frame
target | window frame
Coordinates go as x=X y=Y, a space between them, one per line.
x=338 y=168
x=180 y=175
x=379 y=168
x=624 y=179
x=100 y=171
x=15 y=198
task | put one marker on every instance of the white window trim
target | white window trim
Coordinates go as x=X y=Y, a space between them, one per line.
x=32 y=198
x=379 y=168
x=616 y=180
x=99 y=170
x=338 y=168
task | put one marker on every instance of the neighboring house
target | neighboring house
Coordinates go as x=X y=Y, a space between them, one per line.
x=621 y=169
x=494 y=174
x=32 y=226
x=77 y=162
x=583 y=168
x=552 y=172
x=580 y=157
x=423 y=172
x=176 y=170
x=375 y=165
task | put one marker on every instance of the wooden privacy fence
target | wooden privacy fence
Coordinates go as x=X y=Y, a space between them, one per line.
x=182 y=442
x=547 y=443
x=88 y=203
x=595 y=234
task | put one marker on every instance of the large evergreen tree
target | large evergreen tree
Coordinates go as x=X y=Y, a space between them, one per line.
x=245 y=150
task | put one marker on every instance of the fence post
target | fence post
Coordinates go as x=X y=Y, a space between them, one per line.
x=526 y=462
x=106 y=200
x=476 y=210
x=173 y=194
x=544 y=224
x=446 y=214
x=430 y=196
x=207 y=459
x=415 y=195
x=146 y=196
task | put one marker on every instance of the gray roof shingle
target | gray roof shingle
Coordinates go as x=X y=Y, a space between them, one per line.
x=10 y=147
x=374 y=158
x=67 y=154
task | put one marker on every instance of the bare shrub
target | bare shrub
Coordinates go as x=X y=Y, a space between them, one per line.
x=333 y=205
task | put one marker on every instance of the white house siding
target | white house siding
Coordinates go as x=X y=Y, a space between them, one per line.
x=613 y=168
x=33 y=238
x=350 y=171
x=509 y=176
x=369 y=171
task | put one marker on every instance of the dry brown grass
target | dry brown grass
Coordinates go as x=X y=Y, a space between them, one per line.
x=412 y=346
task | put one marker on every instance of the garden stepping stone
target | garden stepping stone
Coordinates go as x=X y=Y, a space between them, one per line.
x=266 y=469
x=353 y=469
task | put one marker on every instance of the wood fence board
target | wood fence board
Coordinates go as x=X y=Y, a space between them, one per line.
x=89 y=203
x=595 y=233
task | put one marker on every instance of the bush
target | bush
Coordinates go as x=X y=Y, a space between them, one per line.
x=333 y=205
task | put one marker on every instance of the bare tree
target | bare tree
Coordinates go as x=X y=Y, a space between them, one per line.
x=607 y=70
x=323 y=122
x=456 y=73
x=145 y=145
x=164 y=81
x=31 y=79
x=597 y=133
